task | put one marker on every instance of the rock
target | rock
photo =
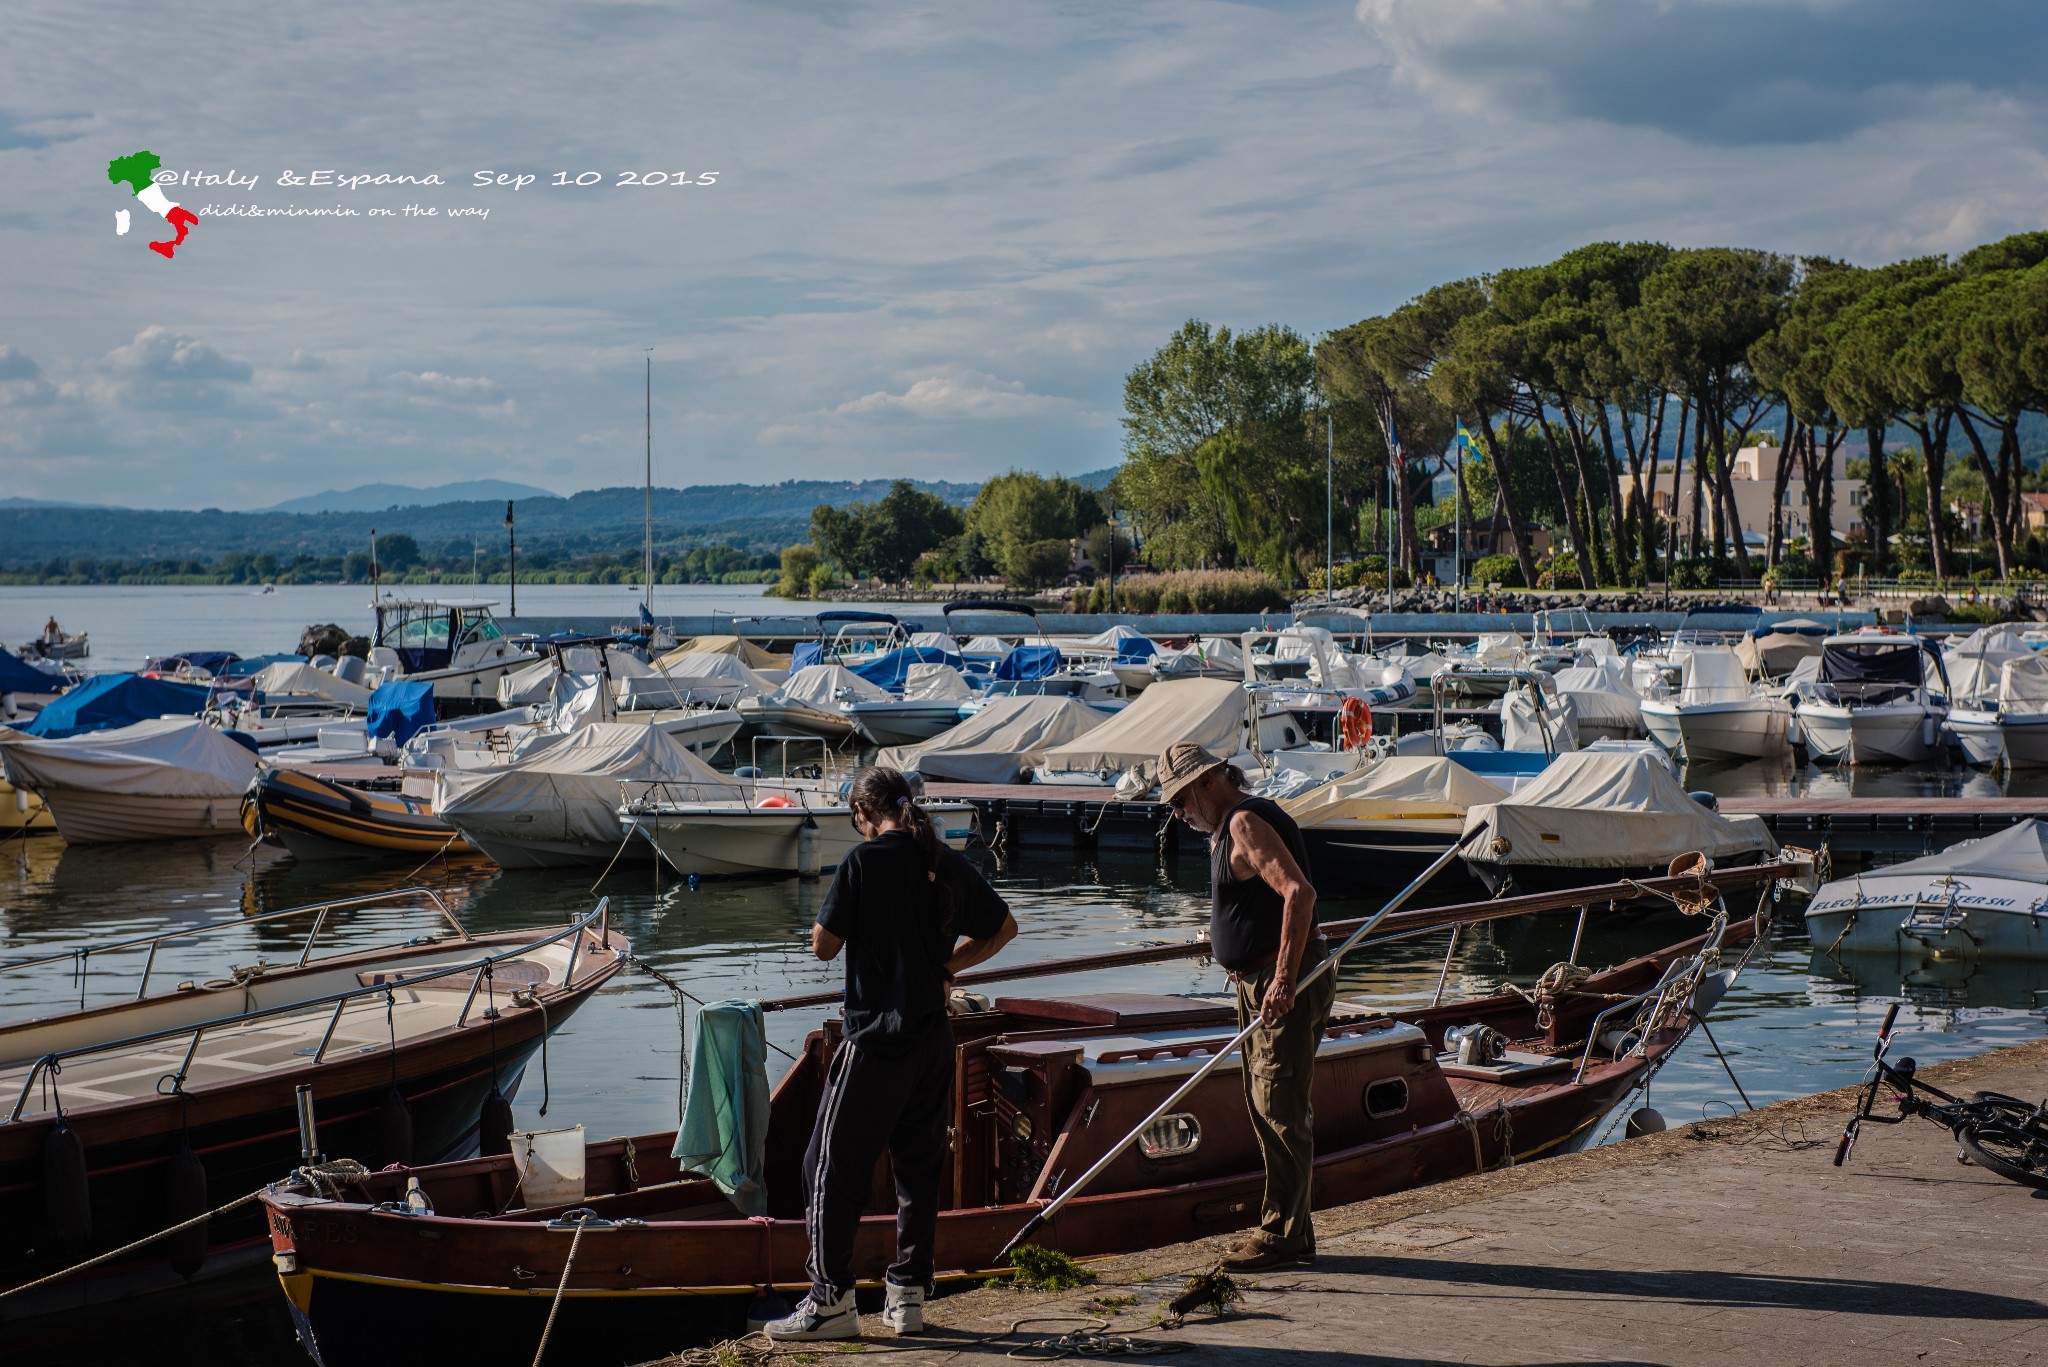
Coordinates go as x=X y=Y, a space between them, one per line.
x=323 y=640
x=1934 y=605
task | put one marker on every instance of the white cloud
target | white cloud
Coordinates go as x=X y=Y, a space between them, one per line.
x=967 y=394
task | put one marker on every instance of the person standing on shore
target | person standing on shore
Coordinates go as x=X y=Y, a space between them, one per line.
x=1262 y=914
x=900 y=905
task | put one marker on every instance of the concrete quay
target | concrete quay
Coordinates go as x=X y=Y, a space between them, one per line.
x=1728 y=1240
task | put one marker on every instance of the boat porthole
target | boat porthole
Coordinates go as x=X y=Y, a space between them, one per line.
x=1171 y=1136
x=1389 y=1096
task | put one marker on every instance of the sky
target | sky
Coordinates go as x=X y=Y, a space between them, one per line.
x=936 y=239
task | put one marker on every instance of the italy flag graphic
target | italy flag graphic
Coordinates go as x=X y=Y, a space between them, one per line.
x=134 y=171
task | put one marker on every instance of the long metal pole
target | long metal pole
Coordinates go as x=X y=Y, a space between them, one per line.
x=1328 y=965
x=1330 y=507
x=647 y=598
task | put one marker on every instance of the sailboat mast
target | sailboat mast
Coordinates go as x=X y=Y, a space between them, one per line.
x=647 y=601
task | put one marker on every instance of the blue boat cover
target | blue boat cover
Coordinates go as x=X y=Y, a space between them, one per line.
x=806 y=653
x=1132 y=649
x=109 y=700
x=212 y=661
x=399 y=709
x=243 y=668
x=16 y=677
x=1029 y=661
x=890 y=670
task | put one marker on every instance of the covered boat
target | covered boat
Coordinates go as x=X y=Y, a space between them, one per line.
x=1207 y=657
x=1717 y=714
x=120 y=1119
x=1603 y=697
x=1774 y=651
x=934 y=698
x=2011 y=726
x=1602 y=814
x=1983 y=898
x=1001 y=742
x=697 y=677
x=1209 y=712
x=1046 y=1086
x=560 y=806
x=808 y=703
x=106 y=701
x=777 y=829
x=1376 y=829
x=172 y=779
x=1880 y=698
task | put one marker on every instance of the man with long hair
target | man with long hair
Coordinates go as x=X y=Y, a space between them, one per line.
x=911 y=915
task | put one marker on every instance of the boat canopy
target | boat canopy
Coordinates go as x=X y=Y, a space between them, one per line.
x=936 y=683
x=250 y=665
x=1030 y=661
x=1713 y=674
x=399 y=709
x=17 y=677
x=821 y=685
x=1116 y=638
x=2023 y=685
x=165 y=757
x=745 y=651
x=1973 y=663
x=1607 y=809
x=1874 y=668
x=569 y=788
x=999 y=743
x=2019 y=852
x=302 y=680
x=1777 y=649
x=1602 y=692
x=891 y=670
x=106 y=701
x=704 y=676
x=210 y=661
x=1397 y=786
x=1209 y=712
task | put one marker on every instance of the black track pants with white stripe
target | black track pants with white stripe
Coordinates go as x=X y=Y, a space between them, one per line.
x=873 y=1103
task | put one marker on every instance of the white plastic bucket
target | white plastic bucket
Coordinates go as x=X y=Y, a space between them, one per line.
x=550 y=1164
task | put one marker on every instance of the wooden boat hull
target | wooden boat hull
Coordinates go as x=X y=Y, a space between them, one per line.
x=316 y=819
x=244 y=1130
x=1359 y=858
x=357 y=1274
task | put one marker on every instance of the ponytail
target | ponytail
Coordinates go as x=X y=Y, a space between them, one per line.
x=885 y=791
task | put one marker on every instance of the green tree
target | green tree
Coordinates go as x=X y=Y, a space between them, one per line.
x=799 y=563
x=397 y=553
x=1018 y=512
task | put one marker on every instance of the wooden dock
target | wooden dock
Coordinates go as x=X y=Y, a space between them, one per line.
x=1052 y=816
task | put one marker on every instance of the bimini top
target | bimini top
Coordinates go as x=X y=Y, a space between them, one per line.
x=443 y=604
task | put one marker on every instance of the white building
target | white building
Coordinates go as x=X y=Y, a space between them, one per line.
x=1755 y=473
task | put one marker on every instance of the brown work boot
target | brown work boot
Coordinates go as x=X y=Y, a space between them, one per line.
x=1256 y=1255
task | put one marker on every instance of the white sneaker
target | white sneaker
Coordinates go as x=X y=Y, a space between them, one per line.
x=835 y=1320
x=903 y=1311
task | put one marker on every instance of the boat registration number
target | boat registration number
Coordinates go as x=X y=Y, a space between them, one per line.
x=312 y=1231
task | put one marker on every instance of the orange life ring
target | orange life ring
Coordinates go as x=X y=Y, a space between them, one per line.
x=776 y=800
x=1354 y=721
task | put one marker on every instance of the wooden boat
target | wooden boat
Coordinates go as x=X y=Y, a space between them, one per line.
x=318 y=818
x=1043 y=1087
x=118 y=1121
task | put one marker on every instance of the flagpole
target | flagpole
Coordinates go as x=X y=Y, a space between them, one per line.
x=1329 y=508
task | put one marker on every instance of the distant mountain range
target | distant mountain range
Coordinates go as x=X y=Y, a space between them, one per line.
x=371 y=498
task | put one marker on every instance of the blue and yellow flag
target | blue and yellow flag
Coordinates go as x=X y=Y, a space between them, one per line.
x=1465 y=440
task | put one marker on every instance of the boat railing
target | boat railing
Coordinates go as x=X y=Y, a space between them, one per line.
x=81 y=955
x=1679 y=973
x=481 y=968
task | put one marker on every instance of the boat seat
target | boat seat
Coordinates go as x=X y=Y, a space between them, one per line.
x=1134 y=1009
x=509 y=976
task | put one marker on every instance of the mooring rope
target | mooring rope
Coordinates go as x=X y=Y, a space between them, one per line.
x=561 y=1289
x=143 y=1242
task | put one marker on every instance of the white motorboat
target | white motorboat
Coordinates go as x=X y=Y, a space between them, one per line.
x=177 y=778
x=935 y=698
x=808 y=703
x=1603 y=696
x=1000 y=742
x=1717 y=713
x=456 y=645
x=801 y=831
x=1985 y=898
x=560 y=805
x=2011 y=726
x=1879 y=698
x=1207 y=657
x=1213 y=713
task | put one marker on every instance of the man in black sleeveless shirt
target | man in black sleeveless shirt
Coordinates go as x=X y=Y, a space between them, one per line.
x=1262 y=913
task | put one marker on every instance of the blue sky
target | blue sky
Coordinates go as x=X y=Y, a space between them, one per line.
x=939 y=237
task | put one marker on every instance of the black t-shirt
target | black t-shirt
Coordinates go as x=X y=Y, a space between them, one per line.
x=884 y=904
x=1246 y=914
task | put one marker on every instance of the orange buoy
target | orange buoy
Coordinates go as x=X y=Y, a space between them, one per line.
x=776 y=800
x=1354 y=720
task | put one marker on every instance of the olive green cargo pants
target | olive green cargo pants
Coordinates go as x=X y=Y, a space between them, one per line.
x=1279 y=1065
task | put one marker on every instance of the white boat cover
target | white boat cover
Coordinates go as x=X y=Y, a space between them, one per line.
x=2018 y=852
x=1112 y=639
x=1539 y=722
x=935 y=682
x=1397 y=786
x=536 y=682
x=2023 y=685
x=705 y=676
x=1713 y=674
x=1214 y=652
x=1601 y=692
x=1328 y=664
x=1498 y=648
x=173 y=757
x=987 y=647
x=569 y=790
x=748 y=654
x=1596 y=648
x=1974 y=662
x=302 y=680
x=1209 y=712
x=999 y=743
x=820 y=685
x=1776 y=653
x=936 y=640
x=1608 y=809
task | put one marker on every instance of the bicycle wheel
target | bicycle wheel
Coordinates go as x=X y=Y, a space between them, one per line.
x=2010 y=1110
x=2011 y=1153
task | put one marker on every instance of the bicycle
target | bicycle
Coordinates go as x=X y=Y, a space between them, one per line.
x=1999 y=1133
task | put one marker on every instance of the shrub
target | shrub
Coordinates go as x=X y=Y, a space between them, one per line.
x=1504 y=570
x=1561 y=573
x=1988 y=575
x=1916 y=576
x=1790 y=567
x=1186 y=591
x=1983 y=613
